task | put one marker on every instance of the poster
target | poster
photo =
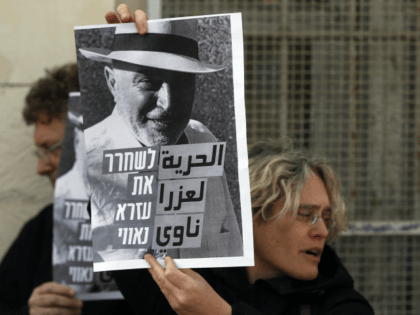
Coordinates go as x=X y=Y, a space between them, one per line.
x=72 y=236
x=165 y=139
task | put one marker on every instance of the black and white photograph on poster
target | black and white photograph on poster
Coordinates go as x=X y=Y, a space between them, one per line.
x=72 y=235
x=165 y=137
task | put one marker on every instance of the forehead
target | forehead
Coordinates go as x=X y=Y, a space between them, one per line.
x=48 y=129
x=314 y=192
x=43 y=118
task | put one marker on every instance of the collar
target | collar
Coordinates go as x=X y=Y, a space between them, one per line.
x=332 y=274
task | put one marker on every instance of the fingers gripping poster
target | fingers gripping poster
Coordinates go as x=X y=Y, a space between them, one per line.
x=165 y=140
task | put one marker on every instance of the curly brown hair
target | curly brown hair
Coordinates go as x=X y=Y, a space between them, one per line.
x=50 y=94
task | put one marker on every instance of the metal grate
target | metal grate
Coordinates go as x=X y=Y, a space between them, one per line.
x=341 y=77
x=386 y=270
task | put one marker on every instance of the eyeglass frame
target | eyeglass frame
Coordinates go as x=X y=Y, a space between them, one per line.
x=314 y=218
x=45 y=153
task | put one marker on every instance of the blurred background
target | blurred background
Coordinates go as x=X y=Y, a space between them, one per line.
x=34 y=35
x=339 y=76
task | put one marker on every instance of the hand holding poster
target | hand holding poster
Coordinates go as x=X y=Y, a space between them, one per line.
x=166 y=149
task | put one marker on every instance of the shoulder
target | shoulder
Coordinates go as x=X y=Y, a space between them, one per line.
x=337 y=286
x=41 y=221
x=198 y=133
x=331 y=268
x=345 y=300
x=37 y=230
x=27 y=263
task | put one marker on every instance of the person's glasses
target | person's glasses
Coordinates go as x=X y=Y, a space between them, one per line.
x=312 y=218
x=45 y=153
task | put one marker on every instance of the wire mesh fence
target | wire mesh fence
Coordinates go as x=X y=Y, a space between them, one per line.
x=342 y=78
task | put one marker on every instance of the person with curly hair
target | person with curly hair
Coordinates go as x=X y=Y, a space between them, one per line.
x=26 y=285
x=46 y=108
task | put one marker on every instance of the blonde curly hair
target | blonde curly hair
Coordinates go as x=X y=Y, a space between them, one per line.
x=278 y=171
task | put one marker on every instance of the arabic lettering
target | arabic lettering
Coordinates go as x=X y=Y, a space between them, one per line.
x=189 y=196
x=176 y=233
x=199 y=160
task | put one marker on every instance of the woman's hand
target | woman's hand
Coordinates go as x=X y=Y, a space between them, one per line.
x=186 y=291
x=140 y=18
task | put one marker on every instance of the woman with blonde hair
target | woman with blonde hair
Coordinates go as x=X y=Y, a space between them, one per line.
x=297 y=208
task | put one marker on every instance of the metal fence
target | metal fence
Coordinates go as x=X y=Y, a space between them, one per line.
x=342 y=77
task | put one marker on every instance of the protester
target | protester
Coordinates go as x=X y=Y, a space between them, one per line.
x=26 y=270
x=296 y=207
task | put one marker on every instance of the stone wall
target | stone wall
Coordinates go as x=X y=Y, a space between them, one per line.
x=35 y=35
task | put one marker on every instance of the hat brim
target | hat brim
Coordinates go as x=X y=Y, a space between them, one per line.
x=154 y=59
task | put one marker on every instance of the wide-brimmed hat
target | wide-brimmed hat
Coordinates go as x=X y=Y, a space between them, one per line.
x=170 y=45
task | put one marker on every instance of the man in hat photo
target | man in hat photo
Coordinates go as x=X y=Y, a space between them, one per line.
x=152 y=79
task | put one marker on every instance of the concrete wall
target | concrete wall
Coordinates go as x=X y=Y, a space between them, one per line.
x=35 y=35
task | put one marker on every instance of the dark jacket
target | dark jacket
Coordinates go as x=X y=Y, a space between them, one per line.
x=28 y=264
x=330 y=293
